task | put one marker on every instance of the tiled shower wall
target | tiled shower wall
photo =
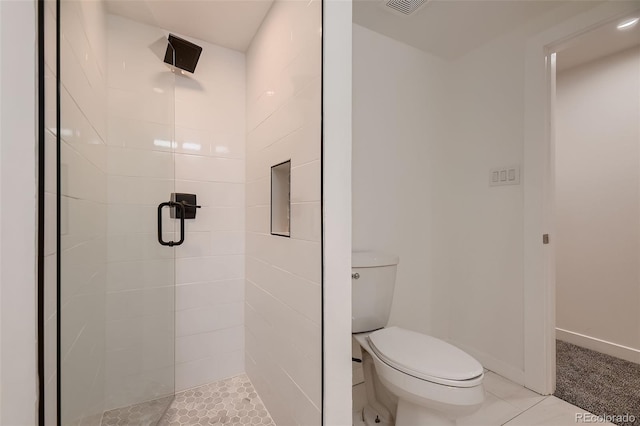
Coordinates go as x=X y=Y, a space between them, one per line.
x=206 y=156
x=210 y=162
x=283 y=275
x=83 y=171
x=140 y=292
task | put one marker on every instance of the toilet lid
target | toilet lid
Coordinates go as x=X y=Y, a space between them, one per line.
x=423 y=356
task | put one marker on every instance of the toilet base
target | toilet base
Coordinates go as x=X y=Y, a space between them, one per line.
x=372 y=418
x=410 y=414
x=357 y=419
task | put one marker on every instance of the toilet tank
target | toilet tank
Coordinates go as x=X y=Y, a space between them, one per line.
x=373 y=278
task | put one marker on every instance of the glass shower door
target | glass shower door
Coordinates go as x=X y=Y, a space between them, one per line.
x=117 y=283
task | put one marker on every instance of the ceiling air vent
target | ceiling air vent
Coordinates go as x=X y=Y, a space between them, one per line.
x=405 y=7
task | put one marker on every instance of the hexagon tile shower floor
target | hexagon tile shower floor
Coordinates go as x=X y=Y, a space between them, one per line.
x=229 y=402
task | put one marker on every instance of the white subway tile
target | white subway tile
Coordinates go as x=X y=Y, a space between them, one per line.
x=135 y=134
x=208 y=269
x=307 y=142
x=153 y=106
x=259 y=192
x=78 y=132
x=139 y=190
x=297 y=293
x=305 y=182
x=209 y=294
x=135 y=162
x=136 y=246
x=133 y=275
x=85 y=221
x=231 y=363
x=194 y=141
x=214 y=194
x=210 y=169
x=84 y=270
x=140 y=303
x=217 y=219
x=196 y=373
x=125 y=333
x=306 y=221
x=210 y=344
x=259 y=219
x=75 y=81
x=202 y=320
x=80 y=178
x=227 y=242
x=131 y=218
x=299 y=257
x=215 y=243
x=229 y=143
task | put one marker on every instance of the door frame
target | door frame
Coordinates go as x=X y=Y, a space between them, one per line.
x=539 y=189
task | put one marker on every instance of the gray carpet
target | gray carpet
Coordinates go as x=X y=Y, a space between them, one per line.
x=598 y=383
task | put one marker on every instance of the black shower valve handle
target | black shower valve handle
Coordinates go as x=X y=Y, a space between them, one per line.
x=185 y=204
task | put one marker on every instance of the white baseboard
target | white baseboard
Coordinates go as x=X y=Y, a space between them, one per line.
x=599 y=345
x=494 y=364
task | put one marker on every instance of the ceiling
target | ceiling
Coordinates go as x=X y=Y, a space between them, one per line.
x=227 y=23
x=449 y=29
x=603 y=41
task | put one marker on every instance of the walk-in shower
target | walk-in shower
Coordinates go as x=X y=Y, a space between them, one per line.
x=167 y=298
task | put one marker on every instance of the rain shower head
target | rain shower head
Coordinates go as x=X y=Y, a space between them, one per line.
x=182 y=53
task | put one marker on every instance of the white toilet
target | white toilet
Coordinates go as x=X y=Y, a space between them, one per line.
x=411 y=379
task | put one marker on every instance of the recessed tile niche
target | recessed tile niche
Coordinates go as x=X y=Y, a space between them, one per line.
x=281 y=199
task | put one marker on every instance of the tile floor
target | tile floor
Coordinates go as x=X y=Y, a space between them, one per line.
x=229 y=402
x=146 y=413
x=509 y=404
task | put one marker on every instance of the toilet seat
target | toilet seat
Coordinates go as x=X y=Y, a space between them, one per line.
x=425 y=357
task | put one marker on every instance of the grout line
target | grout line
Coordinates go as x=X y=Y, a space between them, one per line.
x=524 y=411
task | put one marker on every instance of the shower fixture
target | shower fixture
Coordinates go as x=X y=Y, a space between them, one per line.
x=182 y=206
x=182 y=53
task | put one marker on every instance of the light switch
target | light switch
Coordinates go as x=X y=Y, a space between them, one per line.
x=504 y=176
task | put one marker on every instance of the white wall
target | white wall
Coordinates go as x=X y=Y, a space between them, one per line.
x=336 y=215
x=423 y=140
x=18 y=200
x=400 y=99
x=481 y=229
x=206 y=157
x=468 y=237
x=283 y=285
x=598 y=203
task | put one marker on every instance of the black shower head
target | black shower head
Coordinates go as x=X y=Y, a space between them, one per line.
x=182 y=53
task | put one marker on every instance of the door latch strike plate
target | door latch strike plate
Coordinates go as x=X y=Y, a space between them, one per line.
x=545 y=239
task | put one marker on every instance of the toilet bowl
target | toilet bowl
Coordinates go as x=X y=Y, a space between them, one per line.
x=434 y=382
x=411 y=379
